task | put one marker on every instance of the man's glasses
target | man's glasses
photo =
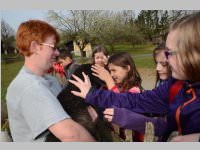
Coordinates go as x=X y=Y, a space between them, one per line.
x=50 y=45
x=169 y=52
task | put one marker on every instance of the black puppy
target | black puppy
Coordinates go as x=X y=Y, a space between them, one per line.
x=78 y=109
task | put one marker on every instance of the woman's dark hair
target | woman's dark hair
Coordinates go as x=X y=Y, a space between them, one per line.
x=123 y=59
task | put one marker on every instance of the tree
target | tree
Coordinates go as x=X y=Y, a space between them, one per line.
x=131 y=31
x=156 y=22
x=7 y=36
x=110 y=28
x=75 y=25
x=148 y=22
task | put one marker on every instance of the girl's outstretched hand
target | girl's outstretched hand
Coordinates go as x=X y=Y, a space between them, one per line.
x=108 y=114
x=103 y=74
x=84 y=86
x=100 y=72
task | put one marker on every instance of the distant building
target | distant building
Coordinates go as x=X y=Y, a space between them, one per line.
x=72 y=46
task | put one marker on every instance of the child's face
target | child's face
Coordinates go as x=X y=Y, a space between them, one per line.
x=118 y=73
x=162 y=65
x=66 y=61
x=100 y=58
x=174 y=60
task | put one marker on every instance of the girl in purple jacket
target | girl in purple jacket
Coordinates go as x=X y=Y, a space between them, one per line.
x=183 y=111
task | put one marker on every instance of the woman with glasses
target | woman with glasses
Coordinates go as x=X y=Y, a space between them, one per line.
x=180 y=103
x=33 y=108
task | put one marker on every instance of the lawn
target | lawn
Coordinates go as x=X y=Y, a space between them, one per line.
x=144 y=62
x=8 y=72
x=138 y=49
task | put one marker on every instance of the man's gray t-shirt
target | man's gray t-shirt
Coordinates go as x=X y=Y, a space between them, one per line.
x=33 y=106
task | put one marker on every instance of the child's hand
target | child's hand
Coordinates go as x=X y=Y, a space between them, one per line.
x=100 y=72
x=103 y=74
x=84 y=86
x=108 y=114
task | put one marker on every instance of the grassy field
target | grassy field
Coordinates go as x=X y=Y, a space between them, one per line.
x=138 y=49
x=145 y=62
x=9 y=71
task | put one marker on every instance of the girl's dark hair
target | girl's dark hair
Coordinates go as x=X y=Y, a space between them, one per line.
x=159 y=48
x=123 y=59
x=99 y=49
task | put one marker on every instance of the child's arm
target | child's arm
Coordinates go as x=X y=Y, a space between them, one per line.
x=104 y=75
x=154 y=101
x=134 y=121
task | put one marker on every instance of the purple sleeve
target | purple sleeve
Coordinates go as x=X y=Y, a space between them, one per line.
x=154 y=101
x=134 y=121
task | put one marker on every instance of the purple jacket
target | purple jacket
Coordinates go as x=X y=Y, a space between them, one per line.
x=156 y=102
x=135 y=121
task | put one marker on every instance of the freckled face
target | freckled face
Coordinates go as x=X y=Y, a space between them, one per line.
x=47 y=53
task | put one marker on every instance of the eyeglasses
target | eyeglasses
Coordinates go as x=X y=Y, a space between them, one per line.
x=50 y=45
x=169 y=52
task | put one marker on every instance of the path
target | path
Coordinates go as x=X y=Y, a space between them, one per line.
x=148 y=78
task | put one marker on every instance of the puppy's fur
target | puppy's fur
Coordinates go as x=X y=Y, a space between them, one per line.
x=78 y=109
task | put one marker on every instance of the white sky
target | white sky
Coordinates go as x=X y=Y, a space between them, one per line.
x=14 y=18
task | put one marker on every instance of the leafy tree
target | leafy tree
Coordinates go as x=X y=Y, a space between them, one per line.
x=131 y=31
x=148 y=22
x=75 y=25
x=7 y=36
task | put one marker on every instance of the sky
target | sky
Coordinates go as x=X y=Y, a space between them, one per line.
x=14 y=18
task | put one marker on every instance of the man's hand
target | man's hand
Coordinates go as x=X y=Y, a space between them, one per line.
x=84 y=86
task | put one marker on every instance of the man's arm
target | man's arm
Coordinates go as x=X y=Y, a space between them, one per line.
x=68 y=130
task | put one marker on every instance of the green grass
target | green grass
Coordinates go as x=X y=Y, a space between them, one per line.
x=8 y=72
x=137 y=50
x=145 y=62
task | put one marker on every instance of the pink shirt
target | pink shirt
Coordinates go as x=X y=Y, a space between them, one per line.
x=134 y=89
